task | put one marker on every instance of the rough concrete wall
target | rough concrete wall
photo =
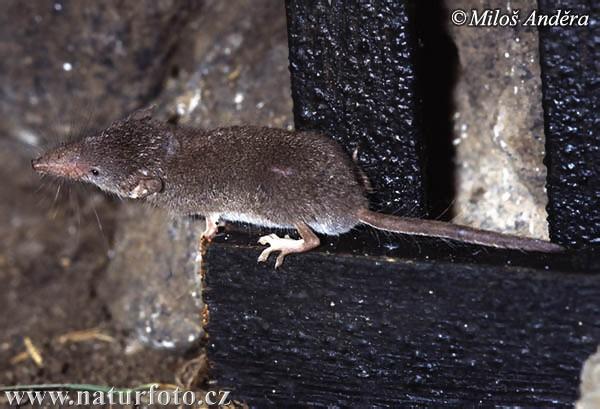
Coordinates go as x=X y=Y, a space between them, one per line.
x=498 y=125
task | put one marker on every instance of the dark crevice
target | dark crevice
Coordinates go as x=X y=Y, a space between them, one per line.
x=437 y=68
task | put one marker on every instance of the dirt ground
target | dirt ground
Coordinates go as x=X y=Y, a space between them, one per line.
x=58 y=240
x=54 y=251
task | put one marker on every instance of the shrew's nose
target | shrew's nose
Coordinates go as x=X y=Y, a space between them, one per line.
x=35 y=164
x=61 y=167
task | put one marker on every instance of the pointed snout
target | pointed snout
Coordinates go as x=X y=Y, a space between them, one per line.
x=45 y=166
x=38 y=165
x=59 y=163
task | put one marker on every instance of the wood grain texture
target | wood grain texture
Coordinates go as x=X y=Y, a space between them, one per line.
x=353 y=77
x=348 y=331
x=569 y=58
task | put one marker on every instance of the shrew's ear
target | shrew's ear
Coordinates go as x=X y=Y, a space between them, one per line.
x=146 y=186
x=143 y=113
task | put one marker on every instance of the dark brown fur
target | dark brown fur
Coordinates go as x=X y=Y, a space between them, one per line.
x=272 y=176
x=265 y=176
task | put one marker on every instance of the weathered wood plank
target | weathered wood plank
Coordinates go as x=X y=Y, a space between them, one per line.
x=352 y=67
x=569 y=58
x=348 y=331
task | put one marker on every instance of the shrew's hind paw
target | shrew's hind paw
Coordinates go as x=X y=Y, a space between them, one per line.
x=287 y=245
x=284 y=245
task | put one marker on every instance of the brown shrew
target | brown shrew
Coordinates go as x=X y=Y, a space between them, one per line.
x=263 y=176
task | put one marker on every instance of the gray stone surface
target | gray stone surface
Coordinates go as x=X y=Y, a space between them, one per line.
x=67 y=61
x=590 y=383
x=236 y=68
x=60 y=63
x=234 y=71
x=499 y=135
x=153 y=279
x=72 y=258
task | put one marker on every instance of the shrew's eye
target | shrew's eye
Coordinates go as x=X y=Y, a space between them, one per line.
x=94 y=171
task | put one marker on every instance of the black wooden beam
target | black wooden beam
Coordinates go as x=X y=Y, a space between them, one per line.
x=353 y=78
x=469 y=327
x=570 y=62
x=348 y=331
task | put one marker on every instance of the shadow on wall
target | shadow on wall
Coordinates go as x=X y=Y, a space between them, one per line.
x=437 y=64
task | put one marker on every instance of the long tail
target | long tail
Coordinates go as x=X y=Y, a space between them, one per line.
x=433 y=228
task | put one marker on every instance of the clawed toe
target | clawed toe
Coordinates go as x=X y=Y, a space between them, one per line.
x=264 y=256
x=280 y=259
x=287 y=245
x=268 y=239
x=284 y=245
